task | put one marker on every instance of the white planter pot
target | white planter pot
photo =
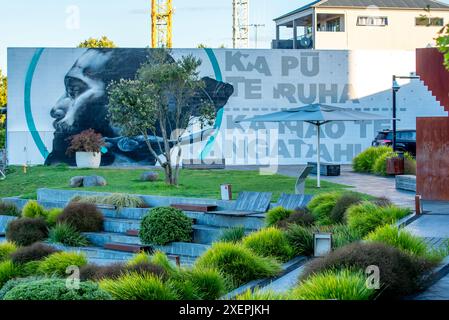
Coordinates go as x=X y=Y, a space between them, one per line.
x=90 y=160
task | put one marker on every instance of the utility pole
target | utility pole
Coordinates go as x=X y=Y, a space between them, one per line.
x=240 y=23
x=161 y=23
x=256 y=28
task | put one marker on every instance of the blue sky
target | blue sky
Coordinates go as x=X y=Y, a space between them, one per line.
x=43 y=23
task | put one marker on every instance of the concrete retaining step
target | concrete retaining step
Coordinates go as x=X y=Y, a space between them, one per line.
x=201 y=233
x=406 y=182
x=175 y=248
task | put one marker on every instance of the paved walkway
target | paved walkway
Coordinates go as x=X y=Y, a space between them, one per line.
x=434 y=228
x=364 y=183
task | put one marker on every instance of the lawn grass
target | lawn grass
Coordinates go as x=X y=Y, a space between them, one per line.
x=193 y=183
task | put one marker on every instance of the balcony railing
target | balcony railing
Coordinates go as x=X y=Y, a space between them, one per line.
x=304 y=42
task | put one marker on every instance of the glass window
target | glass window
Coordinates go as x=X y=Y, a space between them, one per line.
x=333 y=25
x=372 y=21
x=429 y=22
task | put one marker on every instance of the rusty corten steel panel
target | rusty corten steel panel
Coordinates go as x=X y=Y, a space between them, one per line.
x=430 y=68
x=432 y=158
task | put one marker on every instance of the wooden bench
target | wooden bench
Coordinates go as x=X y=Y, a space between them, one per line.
x=124 y=247
x=194 y=207
x=248 y=203
x=326 y=169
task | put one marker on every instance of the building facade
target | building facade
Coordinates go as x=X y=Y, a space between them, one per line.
x=365 y=24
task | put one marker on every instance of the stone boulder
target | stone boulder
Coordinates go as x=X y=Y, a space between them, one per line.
x=149 y=176
x=87 y=181
x=94 y=181
x=76 y=182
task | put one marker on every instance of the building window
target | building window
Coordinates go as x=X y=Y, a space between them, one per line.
x=333 y=25
x=372 y=21
x=429 y=22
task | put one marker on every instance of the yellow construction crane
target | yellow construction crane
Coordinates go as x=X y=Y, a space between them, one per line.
x=161 y=23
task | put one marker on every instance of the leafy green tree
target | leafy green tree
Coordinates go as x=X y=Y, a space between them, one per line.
x=159 y=103
x=103 y=42
x=3 y=89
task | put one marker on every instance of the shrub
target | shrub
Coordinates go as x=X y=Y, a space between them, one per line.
x=366 y=217
x=343 y=235
x=234 y=234
x=121 y=200
x=86 y=141
x=141 y=257
x=382 y=202
x=334 y=285
x=364 y=162
x=147 y=268
x=277 y=214
x=208 y=283
x=57 y=263
x=9 y=209
x=29 y=269
x=301 y=217
x=55 y=289
x=13 y=283
x=160 y=259
x=406 y=242
x=26 y=231
x=164 y=225
x=52 y=216
x=337 y=214
x=33 y=209
x=237 y=263
x=34 y=252
x=67 y=235
x=8 y=271
x=269 y=242
x=83 y=217
x=380 y=166
x=321 y=207
x=401 y=274
x=96 y=272
x=266 y=295
x=300 y=239
x=6 y=249
x=138 y=287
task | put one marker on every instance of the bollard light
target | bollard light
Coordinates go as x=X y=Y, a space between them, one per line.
x=322 y=243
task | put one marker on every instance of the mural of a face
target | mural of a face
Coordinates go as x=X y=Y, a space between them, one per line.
x=84 y=104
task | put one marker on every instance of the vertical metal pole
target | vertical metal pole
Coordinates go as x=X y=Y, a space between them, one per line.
x=295 y=34
x=394 y=114
x=318 y=164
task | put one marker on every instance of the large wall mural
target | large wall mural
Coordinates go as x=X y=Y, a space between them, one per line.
x=55 y=93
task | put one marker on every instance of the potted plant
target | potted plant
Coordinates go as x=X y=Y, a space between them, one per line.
x=87 y=148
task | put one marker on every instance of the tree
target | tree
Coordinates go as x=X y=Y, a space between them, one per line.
x=160 y=105
x=3 y=89
x=203 y=46
x=103 y=42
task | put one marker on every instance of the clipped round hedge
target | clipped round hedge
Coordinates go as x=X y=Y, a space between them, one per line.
x=55 y=289
x=163 y=225
x=26 y=231
x=83 y=217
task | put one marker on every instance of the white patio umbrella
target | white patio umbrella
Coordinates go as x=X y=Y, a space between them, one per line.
x=317 y=115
